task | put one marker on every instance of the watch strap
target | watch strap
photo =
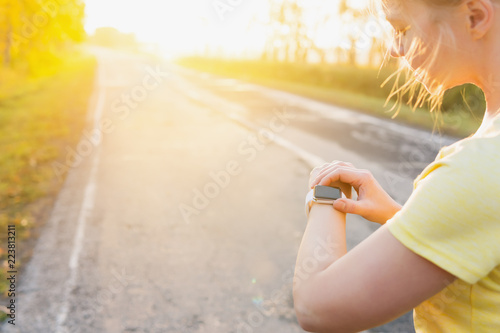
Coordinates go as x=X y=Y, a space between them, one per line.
x=310 y=200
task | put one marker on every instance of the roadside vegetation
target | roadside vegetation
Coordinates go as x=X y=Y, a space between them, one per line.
x=46 y=81
x=354 y=87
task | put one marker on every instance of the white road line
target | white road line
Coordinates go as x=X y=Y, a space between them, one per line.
x=311 y=160
x=233 y=111
x=85 y=212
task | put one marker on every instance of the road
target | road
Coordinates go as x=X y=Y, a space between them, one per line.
x=183 y=208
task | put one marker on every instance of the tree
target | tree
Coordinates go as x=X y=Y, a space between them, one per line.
x=111 y=37
x=33 y=31
x=351 y=18
x=288 y=37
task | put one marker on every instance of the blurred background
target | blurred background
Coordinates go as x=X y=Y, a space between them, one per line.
x=164 y=147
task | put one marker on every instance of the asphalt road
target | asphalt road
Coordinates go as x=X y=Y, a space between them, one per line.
x=183 y=209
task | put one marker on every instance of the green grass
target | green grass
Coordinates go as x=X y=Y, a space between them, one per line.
x=37 y=120
x=356 y=88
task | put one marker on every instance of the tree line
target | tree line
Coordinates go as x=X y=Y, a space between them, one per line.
x=33 y=33
x=291 y=39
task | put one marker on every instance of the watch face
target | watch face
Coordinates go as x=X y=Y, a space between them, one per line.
x=327 y=192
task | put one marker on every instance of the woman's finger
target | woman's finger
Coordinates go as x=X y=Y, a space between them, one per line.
x=353 y=177
x=318 y=169
x=321 y=174
x=336 y=178
x=315 y=172
x=328 y=165
x=329 y=169
x=348 y=164
x=349 y=206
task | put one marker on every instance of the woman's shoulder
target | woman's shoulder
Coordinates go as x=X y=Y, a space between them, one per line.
x=476 y=159
x=474 y=150
x=485 y=141
x=482 y=146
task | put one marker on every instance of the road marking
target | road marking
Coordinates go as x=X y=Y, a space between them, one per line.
x=85 y=213
x=234 y=112
x=311 y=160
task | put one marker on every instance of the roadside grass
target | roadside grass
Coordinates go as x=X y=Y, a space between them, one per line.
x=356 y=88
x=38 y=118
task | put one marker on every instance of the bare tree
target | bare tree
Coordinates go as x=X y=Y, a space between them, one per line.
x=351 y=17
x=292 y=39
x=288 y=39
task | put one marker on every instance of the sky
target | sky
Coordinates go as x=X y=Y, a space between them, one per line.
x=187 y=26
x=178 y=25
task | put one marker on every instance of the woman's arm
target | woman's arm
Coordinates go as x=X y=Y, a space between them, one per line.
x=379 y=280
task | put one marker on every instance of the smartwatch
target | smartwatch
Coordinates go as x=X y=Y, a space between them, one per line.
x=322 y=195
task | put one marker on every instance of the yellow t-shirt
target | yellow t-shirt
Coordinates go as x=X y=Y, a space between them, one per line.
x=452 y=219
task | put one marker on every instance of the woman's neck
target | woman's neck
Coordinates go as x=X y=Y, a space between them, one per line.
x=488 y=79
x=489 y=115
x=492 y=96
x=487 y=70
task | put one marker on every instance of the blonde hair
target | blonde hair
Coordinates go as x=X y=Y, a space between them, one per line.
x=418 y=95
x=443 y=3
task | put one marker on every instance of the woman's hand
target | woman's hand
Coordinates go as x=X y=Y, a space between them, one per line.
x=373 y=203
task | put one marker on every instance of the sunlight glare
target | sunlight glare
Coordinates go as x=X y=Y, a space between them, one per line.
x=180 y=26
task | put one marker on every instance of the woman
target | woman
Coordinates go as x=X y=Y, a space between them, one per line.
x=439 y=254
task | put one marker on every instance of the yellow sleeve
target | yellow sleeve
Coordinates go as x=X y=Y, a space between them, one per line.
x=452 y=217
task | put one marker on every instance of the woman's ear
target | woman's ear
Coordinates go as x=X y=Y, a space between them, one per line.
x=480 y=17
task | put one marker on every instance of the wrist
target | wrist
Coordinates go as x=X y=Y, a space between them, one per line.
x=326 y=213
x=321 y=208
x=394 y=209
x=323 y=196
